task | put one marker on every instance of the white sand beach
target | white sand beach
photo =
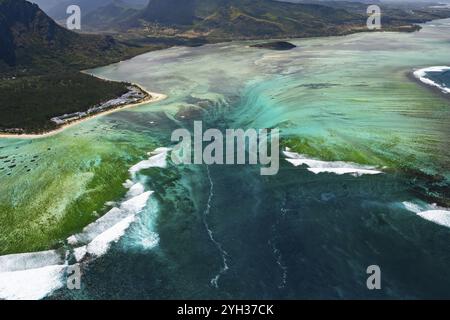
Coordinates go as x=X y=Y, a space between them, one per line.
x=151 y=98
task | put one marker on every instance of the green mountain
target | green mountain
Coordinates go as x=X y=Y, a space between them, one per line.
x=39 y=68
x=219 y=20
x=231 y=19
x=30 y=39
x=106 y=17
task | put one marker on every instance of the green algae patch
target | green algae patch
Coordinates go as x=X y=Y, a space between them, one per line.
x=66 y=189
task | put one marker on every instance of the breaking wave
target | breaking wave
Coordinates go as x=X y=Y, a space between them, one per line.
x=336 y=167
x=430 y=212
x=33 y=276
x=422 y=75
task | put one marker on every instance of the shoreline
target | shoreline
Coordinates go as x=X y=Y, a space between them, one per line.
x=155 y=97
x=150 y=98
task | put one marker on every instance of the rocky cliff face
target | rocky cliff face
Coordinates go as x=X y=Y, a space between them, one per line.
x=31 y=39
x=25 y=29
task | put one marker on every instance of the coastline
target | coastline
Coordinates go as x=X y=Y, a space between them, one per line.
x=156 y=97
x=150 y=98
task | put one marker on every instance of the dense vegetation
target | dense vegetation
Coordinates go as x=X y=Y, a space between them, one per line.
x=30 y=102
x=39 y=68
x=219 y=20
x=239 y=19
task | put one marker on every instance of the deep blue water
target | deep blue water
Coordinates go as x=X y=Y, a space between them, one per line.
x=442 y=78
x=292 y=235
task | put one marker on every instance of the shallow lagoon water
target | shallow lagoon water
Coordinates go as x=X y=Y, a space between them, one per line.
x=293 y=235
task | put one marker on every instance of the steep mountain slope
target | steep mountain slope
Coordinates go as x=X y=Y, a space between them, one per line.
x=39 y=68
x=106 y=17
x=29 y=38
x=46 y=4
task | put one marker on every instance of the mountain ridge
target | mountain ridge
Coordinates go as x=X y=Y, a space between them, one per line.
x=224 y=20
x=231 y=19
x=29 y=38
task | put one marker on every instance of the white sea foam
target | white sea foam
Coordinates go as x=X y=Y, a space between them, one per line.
x=79 y=253
x=128 y=208
x=31 y=284
x=29 y=276
x=159 y=150
x=413 y=207
x=35 y=275
x=136 y=189
x=157 y=160
x=100 y=245
x=441 y=217
x=137 y=203
x=421 y=74
x=142 y=235
x=142 y=239
x=33 y=260
x=128 y=184
x=430 y=212
x=336 y=167
x=151 y=241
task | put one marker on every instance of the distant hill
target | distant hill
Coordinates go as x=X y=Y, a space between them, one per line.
x=109 y=16
x=173 y=12
x=255 y=19
x=247 y=18
x=57 y=8
x=393 y=12
x=217 y=20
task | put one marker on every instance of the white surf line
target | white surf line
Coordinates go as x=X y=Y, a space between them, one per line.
x=32 y=260
x=421 y=74
x=336 y=167
x=430 y=212
x=224 y=254
x=157 y=158
x=33 y=276
x=31 y=284
x=96 y=238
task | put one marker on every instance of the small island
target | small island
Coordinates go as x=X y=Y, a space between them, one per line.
x=275 y=45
